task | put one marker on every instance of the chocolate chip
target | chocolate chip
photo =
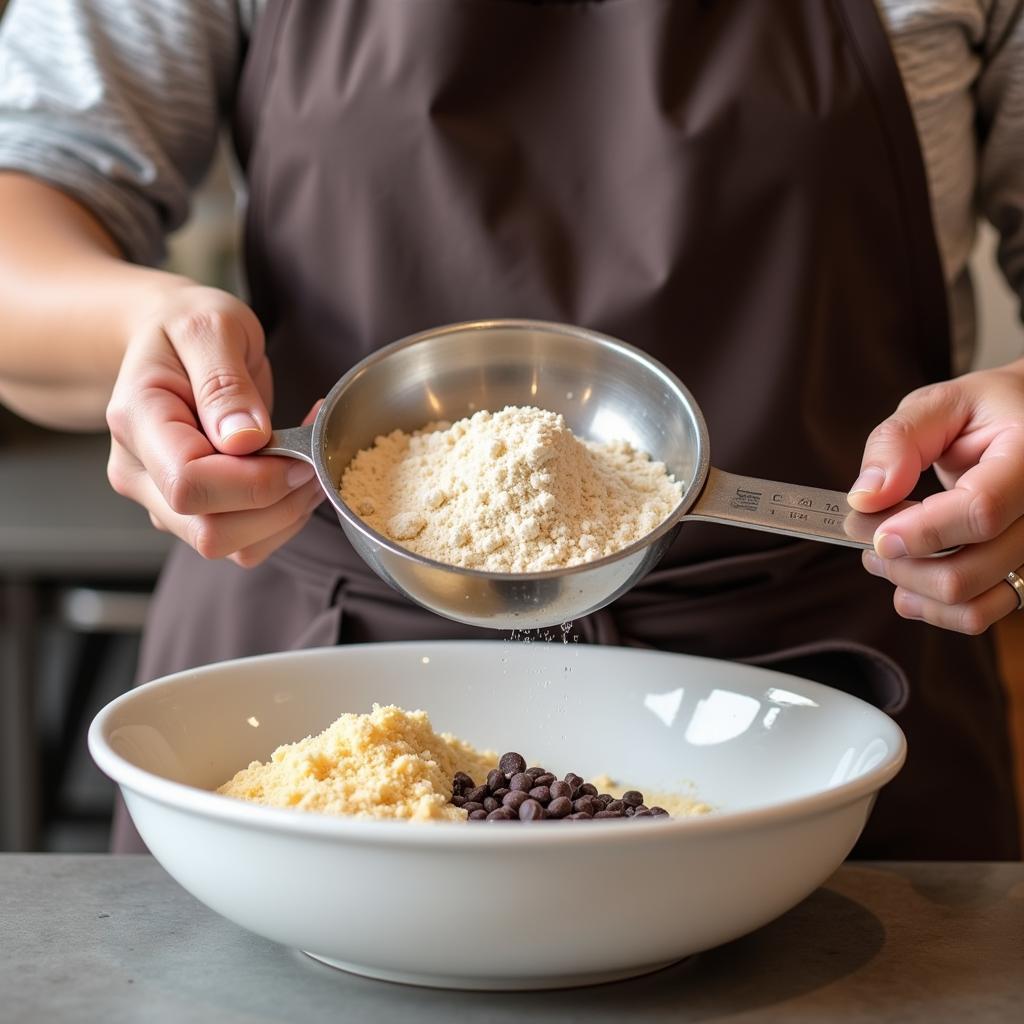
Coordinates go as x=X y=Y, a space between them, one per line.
x=461 y=782
x=532 y=811
x=514 y=792
x=512 y=763
x=558 y=789
x=515 y=799
x=560 y=807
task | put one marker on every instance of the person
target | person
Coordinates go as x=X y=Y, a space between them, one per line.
x=776 y=200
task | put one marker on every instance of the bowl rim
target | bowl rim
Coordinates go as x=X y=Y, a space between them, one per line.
x=690 y=492
x=205 y=803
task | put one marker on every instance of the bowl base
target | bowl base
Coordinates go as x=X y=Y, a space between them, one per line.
x=490 y=984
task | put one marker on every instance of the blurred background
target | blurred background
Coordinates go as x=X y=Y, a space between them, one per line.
x=77 y=564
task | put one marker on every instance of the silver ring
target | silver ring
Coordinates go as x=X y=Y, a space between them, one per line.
x=1017 y=582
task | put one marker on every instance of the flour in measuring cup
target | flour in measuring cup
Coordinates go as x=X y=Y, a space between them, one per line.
x=510 y=491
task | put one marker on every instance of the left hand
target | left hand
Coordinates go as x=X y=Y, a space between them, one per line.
x=972 y=430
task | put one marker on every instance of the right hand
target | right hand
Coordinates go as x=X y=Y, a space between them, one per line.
x=190 y=405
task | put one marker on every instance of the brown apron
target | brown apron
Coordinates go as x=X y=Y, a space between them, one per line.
x=735 y=187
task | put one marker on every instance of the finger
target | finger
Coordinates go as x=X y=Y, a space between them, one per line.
x=127 y=476
x=221 y=352
x=228 y=483
x=971 y=617
x=222 y=534
x=150 y=416
x=192 y=476
x=218 y=536
x=985 y=501
x=257 y=553
x=900 y=448
x=957 y=578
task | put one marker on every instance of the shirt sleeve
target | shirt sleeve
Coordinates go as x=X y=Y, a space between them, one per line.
x=1000 y=108
x=119 y=104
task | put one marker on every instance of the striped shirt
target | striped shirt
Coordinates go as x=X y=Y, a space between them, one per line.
x=120 y=104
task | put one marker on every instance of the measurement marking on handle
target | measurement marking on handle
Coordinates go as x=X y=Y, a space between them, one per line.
x=746 y=500
x=813 y=513
x=830 y=509
x=830 y=513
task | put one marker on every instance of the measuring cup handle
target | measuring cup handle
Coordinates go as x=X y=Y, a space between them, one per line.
x=810 y=513
x=293 y=442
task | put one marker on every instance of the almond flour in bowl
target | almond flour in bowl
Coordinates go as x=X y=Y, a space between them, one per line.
x=511 y=491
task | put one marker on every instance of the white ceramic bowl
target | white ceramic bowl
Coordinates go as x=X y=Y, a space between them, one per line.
x=791 y=766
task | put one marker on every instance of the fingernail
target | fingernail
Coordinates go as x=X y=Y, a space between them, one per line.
x=870 y=480
x=889 y=545
x=909 y=606
x=236 y=423
x=299 y=474
x=872 y=563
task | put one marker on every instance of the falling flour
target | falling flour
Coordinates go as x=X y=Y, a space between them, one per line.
x=511 y=491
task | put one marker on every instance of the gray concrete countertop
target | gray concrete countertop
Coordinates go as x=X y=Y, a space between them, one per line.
x=114 y=939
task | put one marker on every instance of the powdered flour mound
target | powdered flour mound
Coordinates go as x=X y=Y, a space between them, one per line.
x=512 y=491
x=386 y=764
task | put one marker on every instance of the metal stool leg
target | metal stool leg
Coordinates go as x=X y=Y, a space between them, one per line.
x=92 y=649
x=19 y=754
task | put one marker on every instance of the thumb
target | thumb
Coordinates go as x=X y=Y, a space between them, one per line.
x=222 y=353
x=901 y=447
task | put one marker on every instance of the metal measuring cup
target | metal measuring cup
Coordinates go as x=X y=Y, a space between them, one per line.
x=606 y=390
